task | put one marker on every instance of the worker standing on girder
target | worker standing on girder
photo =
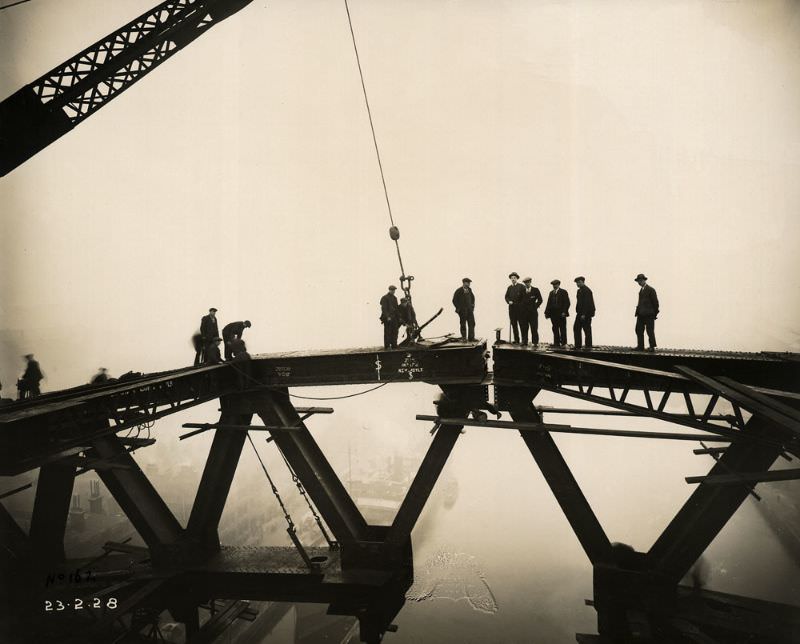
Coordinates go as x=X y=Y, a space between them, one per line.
x=28 y=384
x=464 y=303
x=232 y=332
x=390 y=318
x=584 y=312
x=646 y=313
x=208 y=331
x=514 y=295
x=531 y=300
x=557 y=310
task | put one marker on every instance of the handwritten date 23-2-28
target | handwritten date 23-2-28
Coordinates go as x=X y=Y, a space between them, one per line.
x=80 y=604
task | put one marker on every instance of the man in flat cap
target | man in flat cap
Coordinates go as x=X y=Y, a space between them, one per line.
x=514 y=300
x=390 y=318
x=646 y=313
x=531 y=300
x=464 y=303
x=557 y=310
x=230 y=334
x=208 y=331
x=584 y=312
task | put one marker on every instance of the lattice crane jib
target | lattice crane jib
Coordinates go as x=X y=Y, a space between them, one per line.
x=47 y=108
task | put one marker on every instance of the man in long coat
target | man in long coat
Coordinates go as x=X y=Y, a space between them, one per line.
x=531 y=300
x=464 y=303
x=514 y=300
x=390 y=318
x=646 y=313
x=584 y=312
x=557 y=310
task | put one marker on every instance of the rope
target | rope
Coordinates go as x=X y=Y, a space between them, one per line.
x=374 y=138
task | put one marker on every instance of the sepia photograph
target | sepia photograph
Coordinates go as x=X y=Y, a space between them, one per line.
x=401 y=321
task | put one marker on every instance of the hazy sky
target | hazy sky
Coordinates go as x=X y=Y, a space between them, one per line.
x=550 y=138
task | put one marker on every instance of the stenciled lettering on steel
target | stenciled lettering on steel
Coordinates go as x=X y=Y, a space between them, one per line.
x=283 y=371
x=410 y=366
x=378 y=365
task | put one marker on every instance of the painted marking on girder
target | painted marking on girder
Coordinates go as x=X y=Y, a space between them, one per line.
x=410 y=366
x=378 y=365
x=283 y=372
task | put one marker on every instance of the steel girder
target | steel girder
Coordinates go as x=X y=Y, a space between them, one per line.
x=309 y=463
x=611 y=384
x=710 y=507
x=59 y=423
x=562 y=483
x=456 y=401
x=51 y=510
x=138 y=499
x=215 y=484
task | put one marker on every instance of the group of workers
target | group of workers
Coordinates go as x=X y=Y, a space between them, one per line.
x=523 y=301
x=395 y=314
x=207 y=340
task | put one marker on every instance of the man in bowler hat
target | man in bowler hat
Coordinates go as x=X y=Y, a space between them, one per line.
x=531 y=300
x=390 y=318
x=464 y=303
x=646 y=313
x=557 y=310
x=584 y=312
x=514 y=295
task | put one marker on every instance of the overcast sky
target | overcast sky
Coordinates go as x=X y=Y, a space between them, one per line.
x=549 y=138
x=554 y=139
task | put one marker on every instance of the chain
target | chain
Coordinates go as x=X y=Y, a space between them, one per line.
x=331 y=543
x=272 y=485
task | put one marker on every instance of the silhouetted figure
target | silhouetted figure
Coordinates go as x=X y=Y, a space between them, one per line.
x=464 y=303
x=531 y=300
x=208 y=331
x=584 y=312
x=514 y=300
x=242 y=360
x=231 y=332
x=406 y=316
x=101 y=377
x=390 y=318
x=212 y=354
x=646 y=314
x=239 y=349
x=28 y=384
x=557 y=310
x=4 y=401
